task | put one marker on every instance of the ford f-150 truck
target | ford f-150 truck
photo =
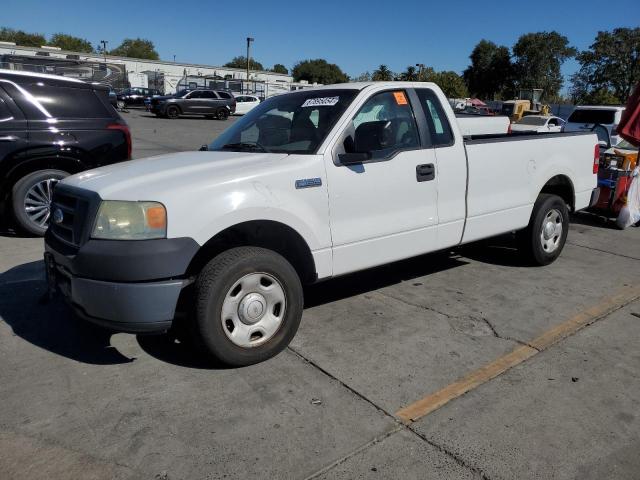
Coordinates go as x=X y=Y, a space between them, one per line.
x=307 y=186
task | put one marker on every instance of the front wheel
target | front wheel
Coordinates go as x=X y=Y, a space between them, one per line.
x=248 y=306
x=544 y=238
x=31 y=200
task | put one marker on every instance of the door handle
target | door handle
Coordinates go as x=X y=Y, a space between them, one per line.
x=425 y=172
x=8 y=138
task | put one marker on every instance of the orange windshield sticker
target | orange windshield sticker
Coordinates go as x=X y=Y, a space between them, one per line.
x=400 y=98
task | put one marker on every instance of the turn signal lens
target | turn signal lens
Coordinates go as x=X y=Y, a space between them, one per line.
x=596 y=158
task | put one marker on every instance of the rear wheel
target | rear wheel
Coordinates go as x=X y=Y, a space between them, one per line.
x=248 y=306
x=173 y=111
x=31 y=200
x=222 y=114
x=544 y=238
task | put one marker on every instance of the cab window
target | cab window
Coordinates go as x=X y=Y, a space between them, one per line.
x=441 y=134
x=383 y=126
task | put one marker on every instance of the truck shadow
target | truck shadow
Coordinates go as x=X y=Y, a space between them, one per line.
x=49 y=324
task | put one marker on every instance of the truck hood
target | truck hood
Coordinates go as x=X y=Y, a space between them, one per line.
x=166 y=176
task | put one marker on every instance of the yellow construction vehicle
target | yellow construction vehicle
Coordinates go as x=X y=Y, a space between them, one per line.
x=527 y=103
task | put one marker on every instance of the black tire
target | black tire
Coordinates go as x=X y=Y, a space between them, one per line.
x=222 y=114
x=215 y=282
x=19 y=199
x=532 y=241
x=172 y=111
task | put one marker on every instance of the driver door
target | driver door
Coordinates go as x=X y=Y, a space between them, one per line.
x=384 y=208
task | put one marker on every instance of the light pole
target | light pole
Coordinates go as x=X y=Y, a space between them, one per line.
x=420 y=69
x=174 y=59
x=249 y=40
x=104 y=49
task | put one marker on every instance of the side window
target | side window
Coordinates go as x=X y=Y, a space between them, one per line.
x=239 y=99
x=384 y=125
x=224 y=95
x=195 y=94
x=439 y=127
x=208 y=94
x=64 y=102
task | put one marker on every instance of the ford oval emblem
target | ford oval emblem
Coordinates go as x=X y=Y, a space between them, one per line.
x=58 y=216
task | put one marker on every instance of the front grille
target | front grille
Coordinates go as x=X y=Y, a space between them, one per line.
x=75 y=209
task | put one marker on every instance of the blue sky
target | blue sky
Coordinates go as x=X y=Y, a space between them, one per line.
x=358 y=35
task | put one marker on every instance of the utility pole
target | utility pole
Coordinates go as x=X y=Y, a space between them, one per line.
x=249 y=40
x=174 y=59
x=420 y=70
x=104 y=49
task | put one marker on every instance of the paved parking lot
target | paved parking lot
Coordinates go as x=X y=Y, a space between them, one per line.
x=395 y=372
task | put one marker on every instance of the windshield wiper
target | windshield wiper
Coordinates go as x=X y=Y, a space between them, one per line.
x=246 y=146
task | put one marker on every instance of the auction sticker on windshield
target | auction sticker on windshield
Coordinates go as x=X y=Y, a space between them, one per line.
x=321 y=102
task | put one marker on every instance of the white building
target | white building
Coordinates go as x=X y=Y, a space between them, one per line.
x=122 y=72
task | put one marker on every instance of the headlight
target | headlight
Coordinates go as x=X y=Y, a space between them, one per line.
x=118 y=220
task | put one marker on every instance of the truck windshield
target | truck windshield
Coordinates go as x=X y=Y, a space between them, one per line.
x=291 y=123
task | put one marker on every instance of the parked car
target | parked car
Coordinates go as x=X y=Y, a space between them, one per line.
x=585 y=117
x=539 y=124
x=135 y=97
x=210 y=103
x=51 y=127
x=244 y=103
x=308 y=185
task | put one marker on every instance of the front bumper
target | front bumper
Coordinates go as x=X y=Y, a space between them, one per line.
x=124 y=286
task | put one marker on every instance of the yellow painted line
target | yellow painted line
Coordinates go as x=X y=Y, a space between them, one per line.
x=434 y=401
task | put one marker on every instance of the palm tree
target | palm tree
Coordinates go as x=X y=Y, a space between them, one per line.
x=410 y=74
x=382 y=74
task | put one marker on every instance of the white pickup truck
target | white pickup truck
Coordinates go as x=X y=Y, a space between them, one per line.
x=307 y=186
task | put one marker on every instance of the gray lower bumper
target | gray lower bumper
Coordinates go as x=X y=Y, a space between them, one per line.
x=147 y=307
x=134 y=307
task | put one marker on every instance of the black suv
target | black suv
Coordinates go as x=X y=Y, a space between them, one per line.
x=210 y=103
x=135 y=96
x=51 y=127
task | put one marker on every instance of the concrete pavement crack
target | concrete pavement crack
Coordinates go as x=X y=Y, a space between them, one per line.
x=398 y=427
x=461 y=317
x=603 y=251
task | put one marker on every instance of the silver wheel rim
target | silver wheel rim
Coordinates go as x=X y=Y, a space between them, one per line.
x=253 y=310
x=551 y=233
x=37 y=201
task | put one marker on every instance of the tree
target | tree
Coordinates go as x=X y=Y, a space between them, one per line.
x=538 y=58
x=610 y=68
x=382 y=74
x=319 y=71
x=409 y=75
x=22 y=38
x=136 y=48
x=363 y=77
x=451 y=83
x=490 y=74
x=71 y=43
x=279 y=68
x=241 y=62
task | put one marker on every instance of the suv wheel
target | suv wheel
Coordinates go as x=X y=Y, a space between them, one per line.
x=31 y=200
x=173 y=111
x=222 y=114
x=544 y=238
x=248 y=306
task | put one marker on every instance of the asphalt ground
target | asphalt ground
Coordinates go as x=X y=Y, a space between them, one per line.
x=460 y=364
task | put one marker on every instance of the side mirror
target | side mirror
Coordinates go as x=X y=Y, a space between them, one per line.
x=204 y=148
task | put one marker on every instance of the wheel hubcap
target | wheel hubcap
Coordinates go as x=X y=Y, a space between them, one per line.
x=37 y=201
x=253 y=310
x=551 y=233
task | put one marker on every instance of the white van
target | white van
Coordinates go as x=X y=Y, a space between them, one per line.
x=584 y=117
